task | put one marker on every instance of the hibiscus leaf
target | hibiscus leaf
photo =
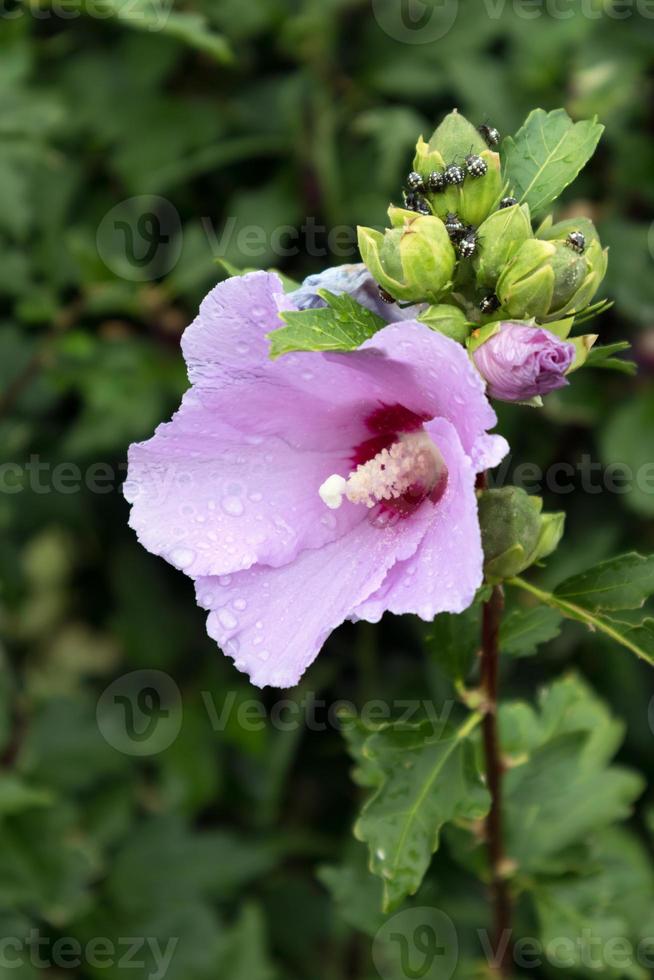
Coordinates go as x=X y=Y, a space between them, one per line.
x=431 y=778
x=341 y=325
x=607 y=901
x=546 y=154
x=618 y=584
x=453 y=641
x=562 y=780
x=524 y=630
x=356 y=732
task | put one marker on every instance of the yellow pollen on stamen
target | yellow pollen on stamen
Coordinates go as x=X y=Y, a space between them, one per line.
x=413 y=459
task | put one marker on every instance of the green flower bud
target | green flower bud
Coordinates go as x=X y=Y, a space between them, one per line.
x=526 y=285
x=455 y=138
x=448 y=320
x=414 y=260
x=454 y=141
x=549 y=231
x=549 y=279
x=515 y=533
x=500 y=235
x=596 y=258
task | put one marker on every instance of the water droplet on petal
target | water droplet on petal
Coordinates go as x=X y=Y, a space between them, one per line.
x=182 y=557
x=233 y=506
x=227 y=619
x=240 y=604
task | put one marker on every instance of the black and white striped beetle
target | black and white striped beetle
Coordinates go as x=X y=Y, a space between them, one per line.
x=508 y=202
x=414 y=202
x=454 y=174
x=415 y=182
x=454 y=225
x=490 y=134
x=577 y=241
x=488 y=304
x=468 y=242
x=476 y=165
x=436 y=181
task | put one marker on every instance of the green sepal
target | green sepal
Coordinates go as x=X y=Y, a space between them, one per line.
x=596 y=261
x=570 y=274
x=482 y=334
x=500 y=235
x=549 y=231
x=561 y=328
x=583 y=346
x=452 y=142
x=526 y=285
x=551 y=531
x=448 y=320
x=414 y=260
x=455 y=138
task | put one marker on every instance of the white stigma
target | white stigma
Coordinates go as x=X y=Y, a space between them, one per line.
x=332 y=491
x=413 y=459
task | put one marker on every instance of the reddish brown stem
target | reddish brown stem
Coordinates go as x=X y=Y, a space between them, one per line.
x=490 y=661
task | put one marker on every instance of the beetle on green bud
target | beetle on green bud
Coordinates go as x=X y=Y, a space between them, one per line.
x=414 y=260
x=456 y=141
x=549 y=279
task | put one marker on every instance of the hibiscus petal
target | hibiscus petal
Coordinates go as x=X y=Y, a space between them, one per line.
x=446 y=570
x=212 y=502
x=273 y=621
x=307 y=398
x=226 y=344
x=488 y=451
x=434 y=374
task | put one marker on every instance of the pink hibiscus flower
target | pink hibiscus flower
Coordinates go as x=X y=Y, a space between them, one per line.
x=321 y=487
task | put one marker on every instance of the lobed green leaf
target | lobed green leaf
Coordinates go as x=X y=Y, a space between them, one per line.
x=546 y=154
x=341 y=325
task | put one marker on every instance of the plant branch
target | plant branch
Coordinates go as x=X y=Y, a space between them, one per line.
x=490 y=659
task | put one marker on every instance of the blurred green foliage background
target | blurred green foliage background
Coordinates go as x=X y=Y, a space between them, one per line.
x=251 y=114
